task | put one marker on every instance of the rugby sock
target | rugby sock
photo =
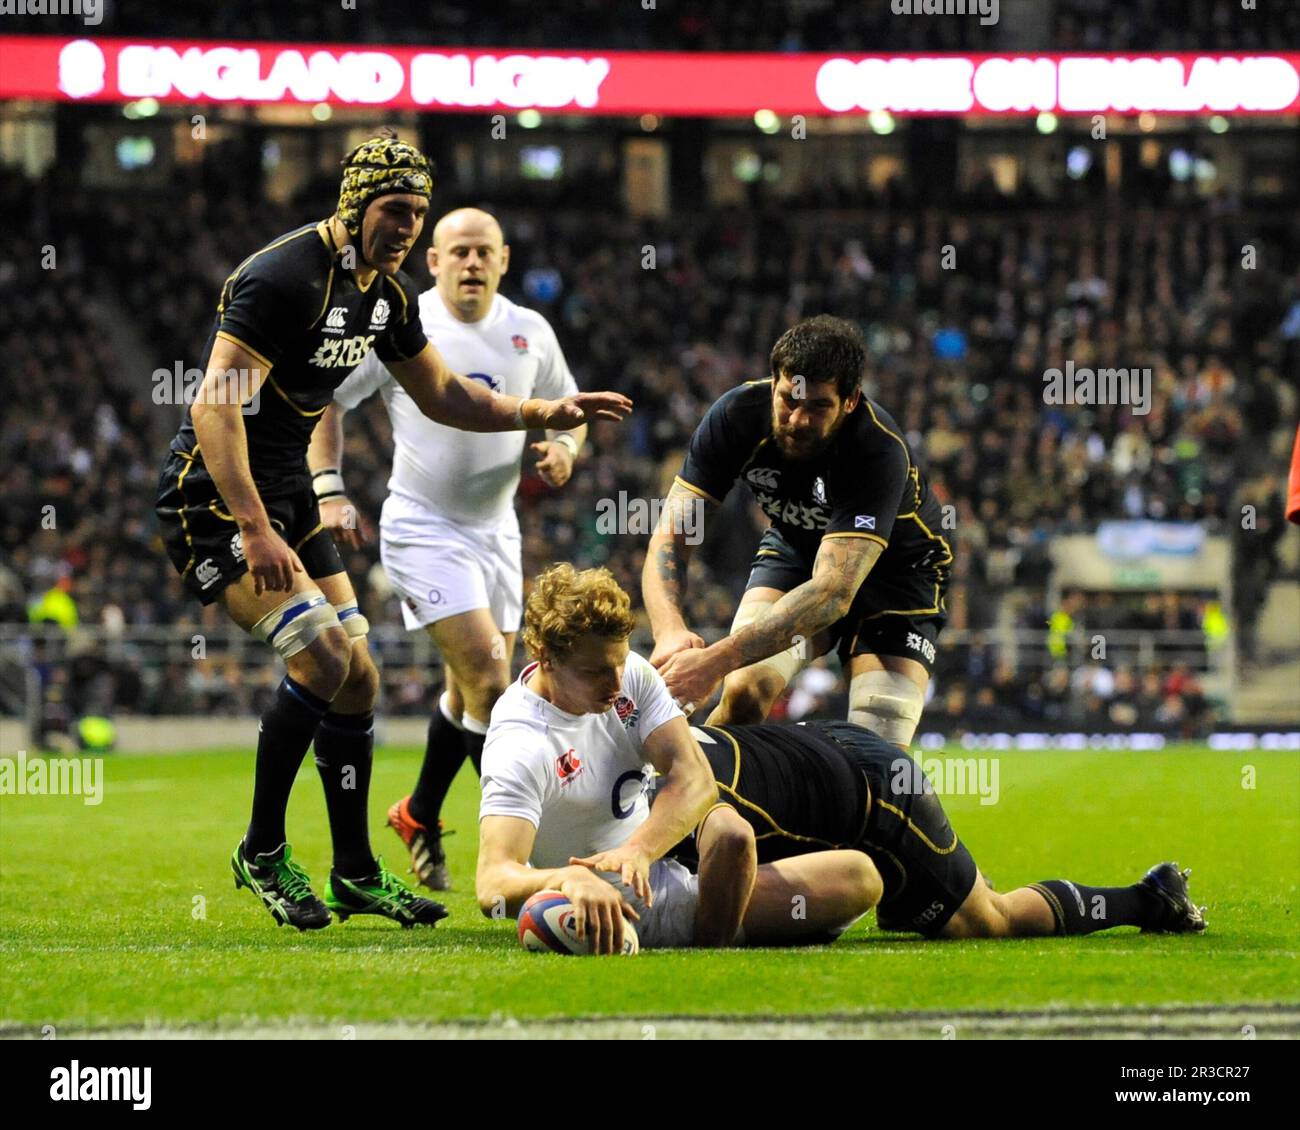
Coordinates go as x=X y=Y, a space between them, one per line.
x=283 y=735
x=1084 y=910
x=345 y=746
x=444 y=752
x=475 y=734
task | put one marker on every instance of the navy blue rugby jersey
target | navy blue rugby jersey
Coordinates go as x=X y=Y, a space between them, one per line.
x=864 y=485
x=295 y=308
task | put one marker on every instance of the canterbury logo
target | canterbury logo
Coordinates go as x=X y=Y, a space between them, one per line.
x=764 y=477
x=337 y=318
x=207 y=572
x=567 y=764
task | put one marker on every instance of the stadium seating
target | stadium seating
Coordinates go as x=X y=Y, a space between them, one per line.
x=957 y=356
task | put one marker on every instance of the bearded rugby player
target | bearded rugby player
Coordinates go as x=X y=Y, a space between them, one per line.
x=854 y=559
x=242 y=526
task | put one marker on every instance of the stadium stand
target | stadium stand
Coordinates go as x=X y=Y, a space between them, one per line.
x=957 y=356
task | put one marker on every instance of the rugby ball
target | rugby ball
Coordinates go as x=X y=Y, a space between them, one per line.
x=546 y=925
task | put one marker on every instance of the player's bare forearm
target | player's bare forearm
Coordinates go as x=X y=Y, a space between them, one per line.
x=326 y=448
x=578 y=435
x=667 y=559
x=217 y=415
x=219 y=430
x=349 y=527
x=456 y=401
x=678 y=808
x=663 y=582
x=842 y=565
x=803 y=611
x=504 y=887
x=504 y=881
x=686 y=793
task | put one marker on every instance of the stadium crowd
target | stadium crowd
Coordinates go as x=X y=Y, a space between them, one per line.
x=958 y=357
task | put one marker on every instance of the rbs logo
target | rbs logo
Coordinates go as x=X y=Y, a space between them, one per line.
x=345 y=352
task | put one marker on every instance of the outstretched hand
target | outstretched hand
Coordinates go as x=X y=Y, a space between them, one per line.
x=582 y=408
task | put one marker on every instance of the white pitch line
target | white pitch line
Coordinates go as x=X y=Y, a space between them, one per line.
x=1266 y=1021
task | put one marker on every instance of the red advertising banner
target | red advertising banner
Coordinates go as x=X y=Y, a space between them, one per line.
x=636 y=82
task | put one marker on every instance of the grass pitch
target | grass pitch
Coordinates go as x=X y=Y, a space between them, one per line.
x=122 y=918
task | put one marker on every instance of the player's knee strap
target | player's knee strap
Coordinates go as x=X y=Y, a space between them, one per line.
x=354 y=623
x=786 y=663
x=293 y=625
x=888 y=703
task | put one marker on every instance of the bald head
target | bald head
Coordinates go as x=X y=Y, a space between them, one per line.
x=468 y=223
x=468 y=256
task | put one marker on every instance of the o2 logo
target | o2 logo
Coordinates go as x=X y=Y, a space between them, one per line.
x=621 y=792
x=494 y=383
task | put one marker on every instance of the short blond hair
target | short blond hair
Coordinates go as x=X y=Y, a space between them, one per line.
x=567 y=604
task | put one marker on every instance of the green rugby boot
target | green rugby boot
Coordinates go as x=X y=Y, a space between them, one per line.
x=384 y=894
x=282 y=886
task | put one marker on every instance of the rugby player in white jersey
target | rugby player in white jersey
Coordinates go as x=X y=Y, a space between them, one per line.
x=449 y=537
x=573 y=745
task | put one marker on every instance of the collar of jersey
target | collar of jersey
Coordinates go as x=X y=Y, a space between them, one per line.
x=548 y=706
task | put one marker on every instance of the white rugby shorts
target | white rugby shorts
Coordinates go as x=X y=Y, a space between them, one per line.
x=441 y=567
x=670 y=922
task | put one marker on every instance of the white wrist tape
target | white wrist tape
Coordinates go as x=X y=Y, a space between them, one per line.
x=328 y=484
x=568 y=441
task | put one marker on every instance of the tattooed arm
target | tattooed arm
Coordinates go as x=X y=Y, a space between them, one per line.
x=663 y=577
x=842 y=565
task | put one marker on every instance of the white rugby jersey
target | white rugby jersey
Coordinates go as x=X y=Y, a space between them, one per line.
x=468 y=476
x=580 y=779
